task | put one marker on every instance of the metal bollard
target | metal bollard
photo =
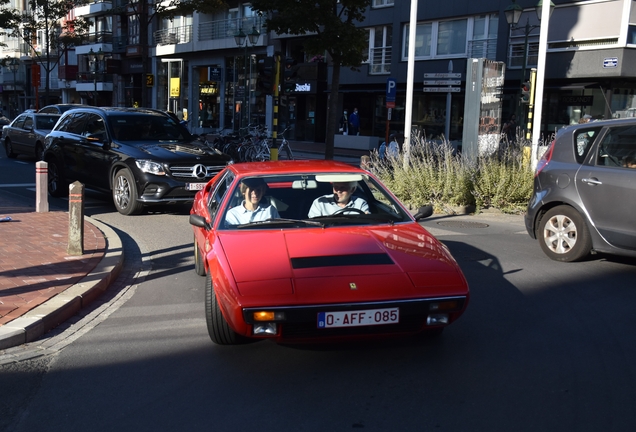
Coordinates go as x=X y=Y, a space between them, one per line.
x=76 y=219
x=41 y=187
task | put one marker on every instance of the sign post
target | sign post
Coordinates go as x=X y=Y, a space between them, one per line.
x=391 y=91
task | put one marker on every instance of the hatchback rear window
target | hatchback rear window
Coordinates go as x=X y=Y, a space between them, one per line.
x=583 y=140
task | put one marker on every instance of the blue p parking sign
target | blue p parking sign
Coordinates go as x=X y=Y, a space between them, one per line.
x=391 y=91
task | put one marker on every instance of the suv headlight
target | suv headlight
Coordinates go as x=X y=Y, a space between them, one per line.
x=150 y=167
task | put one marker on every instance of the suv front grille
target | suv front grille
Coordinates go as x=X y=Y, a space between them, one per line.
x=187 y=172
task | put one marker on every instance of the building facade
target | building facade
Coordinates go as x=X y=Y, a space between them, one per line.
x=196 y=67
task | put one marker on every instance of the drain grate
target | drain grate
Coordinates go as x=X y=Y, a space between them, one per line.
x=462 y=224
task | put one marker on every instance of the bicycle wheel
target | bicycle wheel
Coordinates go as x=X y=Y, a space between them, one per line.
x=284 y=152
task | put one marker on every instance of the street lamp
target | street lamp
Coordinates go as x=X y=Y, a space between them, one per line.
x=241 y=39
x=513 y=14
x=14 y=65
x=97 y=59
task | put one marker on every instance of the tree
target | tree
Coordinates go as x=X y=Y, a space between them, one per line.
x=330 y=26
x=166 y=9
x=46 y=19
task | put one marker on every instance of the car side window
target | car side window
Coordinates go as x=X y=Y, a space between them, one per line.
x=583 y=140
x=618 y=148
x=19 y=122
x=95 y=127
x=216 y=197
x=73 y=123
x=28 y=123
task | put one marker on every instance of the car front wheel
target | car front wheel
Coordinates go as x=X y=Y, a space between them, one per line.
x=57 y=185
x=218 y=328
x=563 y=235
x=8 y=148
x=125 y=193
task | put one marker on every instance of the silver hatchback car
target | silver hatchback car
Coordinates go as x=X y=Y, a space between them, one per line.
x=584 y=197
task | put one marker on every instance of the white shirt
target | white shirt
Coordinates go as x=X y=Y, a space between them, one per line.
x=240 y=215
x=326 y=205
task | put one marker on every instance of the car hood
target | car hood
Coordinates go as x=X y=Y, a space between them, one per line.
x=317 y=264
x=180 y=151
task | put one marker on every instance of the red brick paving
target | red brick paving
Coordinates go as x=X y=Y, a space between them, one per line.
x=34 y=265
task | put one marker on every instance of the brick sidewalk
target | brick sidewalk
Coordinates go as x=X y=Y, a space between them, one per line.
x=34 y=265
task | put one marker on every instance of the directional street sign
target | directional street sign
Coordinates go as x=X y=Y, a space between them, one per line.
x=442 y=89
x=442 y=82
x=443 y=75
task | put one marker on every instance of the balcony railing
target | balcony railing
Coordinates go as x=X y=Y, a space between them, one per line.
x=175 y=35
x=101 y=37
x=90 y=77
x=486 y=48
x=380 y=61
x=229 y=27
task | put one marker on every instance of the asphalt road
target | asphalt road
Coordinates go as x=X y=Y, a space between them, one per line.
x=543 y=346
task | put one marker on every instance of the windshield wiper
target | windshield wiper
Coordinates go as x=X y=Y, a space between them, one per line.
x=275 y=221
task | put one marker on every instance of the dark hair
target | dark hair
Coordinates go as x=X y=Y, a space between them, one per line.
x=252 y=183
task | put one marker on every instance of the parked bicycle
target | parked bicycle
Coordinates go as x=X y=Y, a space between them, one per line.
x=284 y=149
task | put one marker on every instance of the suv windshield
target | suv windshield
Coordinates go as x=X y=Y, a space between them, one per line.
x=147 y=128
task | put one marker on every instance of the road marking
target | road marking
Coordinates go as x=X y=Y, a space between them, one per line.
x=17 y=185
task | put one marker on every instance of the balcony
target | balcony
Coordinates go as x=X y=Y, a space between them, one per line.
x=172 y=36
x=67 y=72
x=228 y=28
x=89 y=81
x=94 y=9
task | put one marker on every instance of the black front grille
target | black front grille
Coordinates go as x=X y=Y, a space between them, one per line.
x=187 y=173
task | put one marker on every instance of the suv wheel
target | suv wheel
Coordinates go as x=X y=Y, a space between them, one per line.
x=563 y=235
x=125 y=193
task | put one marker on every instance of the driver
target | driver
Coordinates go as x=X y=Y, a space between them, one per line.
x=251 y=209
x=342 y=198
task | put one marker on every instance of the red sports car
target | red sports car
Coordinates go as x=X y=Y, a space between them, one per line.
x=300 y=251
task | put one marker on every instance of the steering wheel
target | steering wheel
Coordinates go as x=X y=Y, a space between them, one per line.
x=348 y=209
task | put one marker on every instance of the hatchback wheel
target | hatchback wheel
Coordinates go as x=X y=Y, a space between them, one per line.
x=125 y=193
x=8 y=148
x=563 y=235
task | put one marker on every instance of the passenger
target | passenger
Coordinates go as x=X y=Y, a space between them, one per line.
x=629 y=161
x=340 y=199
x=251 y=209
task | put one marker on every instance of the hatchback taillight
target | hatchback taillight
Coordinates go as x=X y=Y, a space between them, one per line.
x=545 y=159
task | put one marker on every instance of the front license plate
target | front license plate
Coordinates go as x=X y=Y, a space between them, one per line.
x=195 y=186
x=358 y=318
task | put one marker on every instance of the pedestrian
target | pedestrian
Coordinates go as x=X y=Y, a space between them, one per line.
x=509 y=129
x=393 y=149
x=344 y=124
x=354 y=123
x=382 y=151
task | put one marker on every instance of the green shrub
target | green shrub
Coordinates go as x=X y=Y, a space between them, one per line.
x=435 y=175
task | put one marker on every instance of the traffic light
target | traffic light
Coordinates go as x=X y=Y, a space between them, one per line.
x=290 y=75
x=525 y=92
x=265 y=81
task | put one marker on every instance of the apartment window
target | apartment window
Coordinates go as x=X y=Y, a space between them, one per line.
x=380 y=44
x=133 y=30
x=515 y=59
x=454 y=38
x=382 y=3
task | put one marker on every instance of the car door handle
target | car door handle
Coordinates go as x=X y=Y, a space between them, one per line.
x=591 y=181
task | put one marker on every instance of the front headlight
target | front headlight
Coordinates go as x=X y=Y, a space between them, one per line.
x=150 y=167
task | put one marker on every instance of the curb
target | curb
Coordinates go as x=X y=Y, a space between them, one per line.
x=66 y=304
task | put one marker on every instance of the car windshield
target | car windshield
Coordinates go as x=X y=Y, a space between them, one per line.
x=147 y=128
x=46 y=122
x=308 y=200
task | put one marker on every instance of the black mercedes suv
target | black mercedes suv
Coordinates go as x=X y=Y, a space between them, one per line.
x=141 y=156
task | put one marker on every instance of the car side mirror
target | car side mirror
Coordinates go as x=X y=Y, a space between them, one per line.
x=423 y=212
x=199 y=221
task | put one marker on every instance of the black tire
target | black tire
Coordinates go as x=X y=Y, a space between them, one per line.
x=39 y=151
x=8 y=148
x=199 y=265
x=58 y=186
x=125 y=193
x=218 y=328
x=563 y=235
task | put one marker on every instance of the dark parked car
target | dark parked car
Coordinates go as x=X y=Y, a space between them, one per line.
x=143 y=157
x=584 y=197
x=60 y=108
x=26 y=133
